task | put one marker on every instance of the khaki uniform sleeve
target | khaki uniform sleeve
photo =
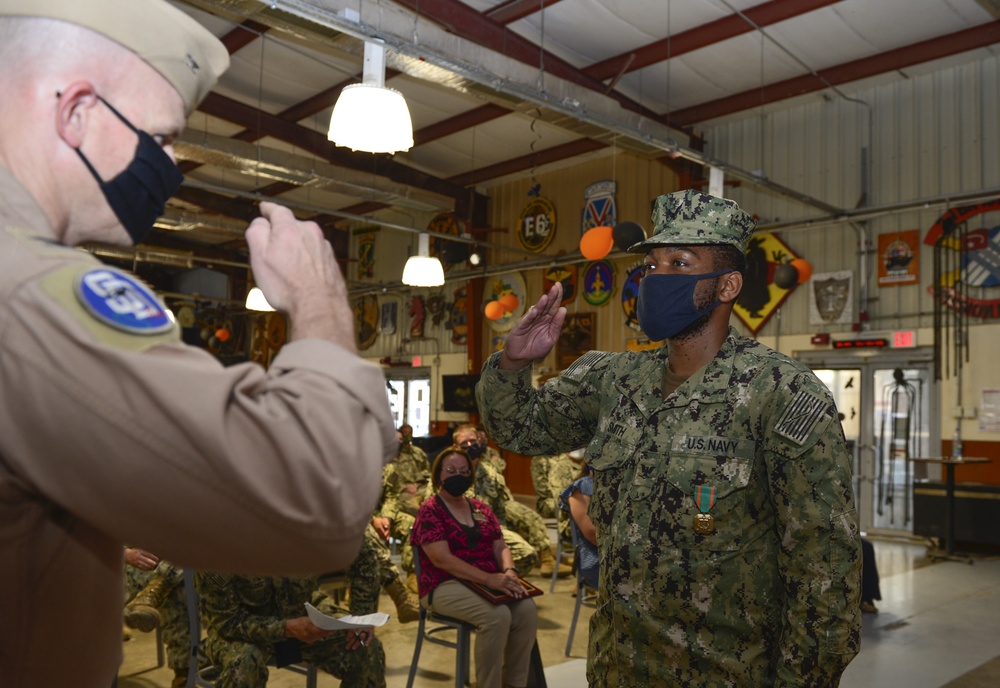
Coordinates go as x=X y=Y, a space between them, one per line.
x=820 y=557
x=156 y=443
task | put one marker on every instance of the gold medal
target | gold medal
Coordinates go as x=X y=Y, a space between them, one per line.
x=704 y=524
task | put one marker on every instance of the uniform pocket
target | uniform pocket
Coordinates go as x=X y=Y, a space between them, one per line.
x=721 y=467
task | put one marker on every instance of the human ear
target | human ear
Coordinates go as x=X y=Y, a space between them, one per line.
x=73 y=108
x=730 y=287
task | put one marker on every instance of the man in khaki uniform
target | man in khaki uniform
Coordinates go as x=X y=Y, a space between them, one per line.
x=113 y=430
x=726 y=527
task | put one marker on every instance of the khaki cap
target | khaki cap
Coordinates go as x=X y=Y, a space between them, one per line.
x=187 y=54
x=688 y=218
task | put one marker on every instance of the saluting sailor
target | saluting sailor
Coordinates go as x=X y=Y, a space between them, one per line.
x=728 y=539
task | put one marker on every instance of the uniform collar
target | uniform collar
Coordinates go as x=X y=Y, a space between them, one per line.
x=20 y=211
x=708 y=384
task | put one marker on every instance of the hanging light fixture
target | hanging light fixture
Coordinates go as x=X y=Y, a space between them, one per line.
x=256 y=301
x=369 y=116
x=423 y=270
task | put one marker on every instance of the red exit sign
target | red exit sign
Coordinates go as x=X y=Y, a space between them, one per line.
x=904 y=340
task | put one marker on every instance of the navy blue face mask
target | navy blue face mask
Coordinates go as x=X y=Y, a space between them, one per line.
x=138 y=195
x=666 y=303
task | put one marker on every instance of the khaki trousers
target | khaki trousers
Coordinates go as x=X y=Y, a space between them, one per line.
x=505 y=633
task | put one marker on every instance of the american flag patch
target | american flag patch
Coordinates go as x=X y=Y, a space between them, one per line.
x=583 y=364
x=801 y=416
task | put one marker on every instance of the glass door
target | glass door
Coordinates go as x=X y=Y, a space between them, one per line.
x=888 y=403
x=410 y=400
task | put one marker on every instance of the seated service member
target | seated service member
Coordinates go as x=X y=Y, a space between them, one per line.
x=255 y=620
x=728 y=538
x=114 y=431
x=459 y=538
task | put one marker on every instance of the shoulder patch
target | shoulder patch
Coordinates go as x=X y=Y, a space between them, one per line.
x=123 y=302
x=580 y=366
x=805 y=410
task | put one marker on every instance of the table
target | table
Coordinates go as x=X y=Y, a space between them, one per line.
x=949 y=464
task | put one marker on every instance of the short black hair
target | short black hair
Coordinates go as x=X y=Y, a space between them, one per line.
x=727 y=257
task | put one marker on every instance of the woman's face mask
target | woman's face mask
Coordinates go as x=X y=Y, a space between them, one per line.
x=456 y=485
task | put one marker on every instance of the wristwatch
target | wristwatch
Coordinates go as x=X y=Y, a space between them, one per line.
x=511 y=568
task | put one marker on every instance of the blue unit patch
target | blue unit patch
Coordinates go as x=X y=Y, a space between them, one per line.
x=123 y=302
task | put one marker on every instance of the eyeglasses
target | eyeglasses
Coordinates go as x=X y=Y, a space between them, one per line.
x=452 y=471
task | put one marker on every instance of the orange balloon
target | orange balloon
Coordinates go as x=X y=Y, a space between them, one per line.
x=493 y=310
x=222 y=334
x=509 y=302
x=597 y=242
x=804 y=267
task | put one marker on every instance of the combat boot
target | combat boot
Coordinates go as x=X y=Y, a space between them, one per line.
x=141 y=613
x=547 y=562
x=180 y=678
x=411 y=584
x=407 y=605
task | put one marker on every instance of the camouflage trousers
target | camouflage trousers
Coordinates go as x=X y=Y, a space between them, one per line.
x=527 y=523
x=370 y=572
x=244 y=665
x=173 y=613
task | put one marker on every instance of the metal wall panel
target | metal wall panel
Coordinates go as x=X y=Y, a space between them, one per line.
x=933 y=135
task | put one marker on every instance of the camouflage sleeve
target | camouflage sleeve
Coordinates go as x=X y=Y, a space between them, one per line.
x=545 y=502
x=227 y=615
x=561 y=414
x=389 y=496
x=809 y=473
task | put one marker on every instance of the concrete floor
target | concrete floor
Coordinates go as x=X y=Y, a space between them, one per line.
x=938 y=625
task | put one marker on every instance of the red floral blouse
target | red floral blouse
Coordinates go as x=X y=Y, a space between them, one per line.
x=435 y=523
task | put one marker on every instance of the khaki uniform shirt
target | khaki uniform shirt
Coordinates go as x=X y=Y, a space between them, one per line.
x=768 y=597
x=108 y=437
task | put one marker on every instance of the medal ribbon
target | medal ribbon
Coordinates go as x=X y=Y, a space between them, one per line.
x=704 y=497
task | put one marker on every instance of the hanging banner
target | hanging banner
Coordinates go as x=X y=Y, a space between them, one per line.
x=511 y=283
x=366 y=256
x=979 y=265
x=598 y=282
x=899 y=258
x=831 y=298
x=761 y=297
x=599 y=206
x=567 y=275
x=536 y=225
x=366 y=320
x=630 y=296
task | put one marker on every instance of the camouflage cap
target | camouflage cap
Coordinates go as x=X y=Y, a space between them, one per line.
x=187 y=54
x=691 y=217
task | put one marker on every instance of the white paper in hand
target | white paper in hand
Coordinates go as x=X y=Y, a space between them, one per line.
x=329 y=623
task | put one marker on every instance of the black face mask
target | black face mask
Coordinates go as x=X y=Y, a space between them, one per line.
x=138 y=195
x=456 y=485
x=474 y=450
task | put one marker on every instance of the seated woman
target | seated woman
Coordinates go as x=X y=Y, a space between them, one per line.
x=459 y=539
x=576 y=500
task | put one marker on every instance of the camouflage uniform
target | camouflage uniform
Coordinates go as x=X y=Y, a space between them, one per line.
x=770 y=597
x=551 y=474
x=489 y=486
x=370 y=572
x=246 y=615
x=493 y=456
x=409 y=467
x=397 y=505
x=173 y=612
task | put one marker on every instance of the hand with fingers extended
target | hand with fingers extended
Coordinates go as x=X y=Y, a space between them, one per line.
x=536 y=334
x=294 y=265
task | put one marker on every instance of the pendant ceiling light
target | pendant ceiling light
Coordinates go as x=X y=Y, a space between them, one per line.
x=368 y=116
x=423 y=270
x=256 y=301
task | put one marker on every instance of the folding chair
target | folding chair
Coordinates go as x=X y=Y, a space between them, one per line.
x=441 y=623
x=581 y=587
